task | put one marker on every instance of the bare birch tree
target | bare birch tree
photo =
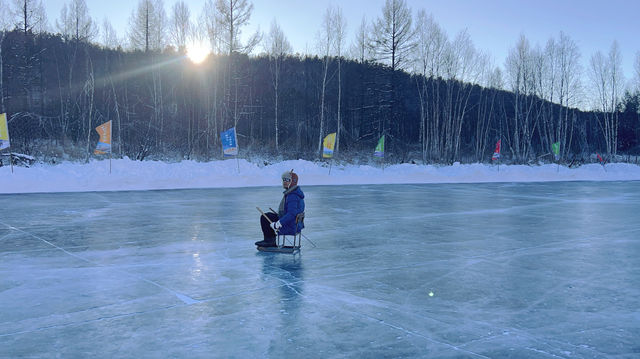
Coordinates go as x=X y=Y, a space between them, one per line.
x=232 y=15
x=326 y=39
x=360 y=49
x=109 y=36
x=463 y=69
x=339 y=27
x=361 y=52
x=520 y=73
x=210 y=26
x=431 y=43
x=4 y=27
x=607 y=83
x=278 y=47
x=75 y=23
x=212 y=30
x=180 y=26
x=637 y=68
x=565 y=61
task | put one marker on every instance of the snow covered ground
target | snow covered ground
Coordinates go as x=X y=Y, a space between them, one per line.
x=146 y=175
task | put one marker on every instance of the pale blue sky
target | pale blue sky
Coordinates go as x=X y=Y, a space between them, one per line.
x=494 y=25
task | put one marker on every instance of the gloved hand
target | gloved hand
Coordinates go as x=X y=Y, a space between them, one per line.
x=276 y=225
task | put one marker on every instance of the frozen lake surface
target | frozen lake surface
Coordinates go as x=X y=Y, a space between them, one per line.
x=530 y=270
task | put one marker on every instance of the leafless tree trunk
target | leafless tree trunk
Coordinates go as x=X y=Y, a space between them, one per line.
x=89 y=88
x=231 y=16
x=637 y=68
x=607 y=82
x=213 y=31
x=360 y=49
x=277 y=47
x=393 y=44
x=2 y=35
x=569 y=71
x=109 y=37
x=147 y=25
x=31 y=15
x=180 y=25
x=327 y=39
x=431 y=47
x=4 y=26
x=340 y=27
x=393 y=35
x=75 y=22
x=520 y=66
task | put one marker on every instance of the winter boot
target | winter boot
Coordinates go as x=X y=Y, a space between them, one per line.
x=267 y=242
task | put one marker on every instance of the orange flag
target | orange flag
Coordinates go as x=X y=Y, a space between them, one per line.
x=104 y=144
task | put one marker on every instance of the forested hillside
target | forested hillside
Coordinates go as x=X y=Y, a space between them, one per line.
x=444 y=108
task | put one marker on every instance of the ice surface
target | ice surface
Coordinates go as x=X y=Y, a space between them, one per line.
x=528 y=270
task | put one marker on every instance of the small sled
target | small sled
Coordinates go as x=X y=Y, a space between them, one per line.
x=281 y=240
x=282 y=249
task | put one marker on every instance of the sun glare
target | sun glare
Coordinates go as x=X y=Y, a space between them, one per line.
x=197 y=52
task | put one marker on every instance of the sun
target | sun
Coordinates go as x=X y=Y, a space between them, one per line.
x=197 y=52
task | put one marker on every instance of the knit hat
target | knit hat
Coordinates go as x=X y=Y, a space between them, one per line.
x=291 y=177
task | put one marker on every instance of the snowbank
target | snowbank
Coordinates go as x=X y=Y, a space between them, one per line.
x=147 y=175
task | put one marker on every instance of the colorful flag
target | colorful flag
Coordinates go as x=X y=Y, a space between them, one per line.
x=104 y=143
x=328 y=144
x=229 y=141
x=4 y=132
x=556 y=150
x=496 y=153
x=600 y=159
x=379 y=152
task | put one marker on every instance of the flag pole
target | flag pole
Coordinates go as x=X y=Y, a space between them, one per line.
x=11 y=161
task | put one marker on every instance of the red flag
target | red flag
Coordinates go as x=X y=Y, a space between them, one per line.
x=496 y=153
x=600 y=159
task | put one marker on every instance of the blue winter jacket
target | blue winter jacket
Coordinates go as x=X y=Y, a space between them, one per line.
x=293 y=205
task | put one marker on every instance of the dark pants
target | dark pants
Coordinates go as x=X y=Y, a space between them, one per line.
x=267 y=231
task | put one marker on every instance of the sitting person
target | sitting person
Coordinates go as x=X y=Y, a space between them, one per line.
x=284 y=222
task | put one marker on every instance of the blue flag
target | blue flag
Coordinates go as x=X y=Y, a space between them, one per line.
x=229 y=142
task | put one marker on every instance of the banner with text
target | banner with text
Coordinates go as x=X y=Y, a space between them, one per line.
x=496 y=153
x=104 y=143
x=328 y=145
x=229 y=141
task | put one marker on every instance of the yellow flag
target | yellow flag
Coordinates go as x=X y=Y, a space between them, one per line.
x=4 y=132
x=104 y=144
x=328 y=145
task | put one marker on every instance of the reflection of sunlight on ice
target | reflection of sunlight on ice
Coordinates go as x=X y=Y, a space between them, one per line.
x=196 y=270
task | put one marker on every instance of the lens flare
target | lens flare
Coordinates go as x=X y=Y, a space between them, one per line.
x=198 y=52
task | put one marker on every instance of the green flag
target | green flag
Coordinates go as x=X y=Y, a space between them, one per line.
x=379 y=152
x=556 y=150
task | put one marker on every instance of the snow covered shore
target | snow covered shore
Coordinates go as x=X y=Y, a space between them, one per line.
x=148 y=175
